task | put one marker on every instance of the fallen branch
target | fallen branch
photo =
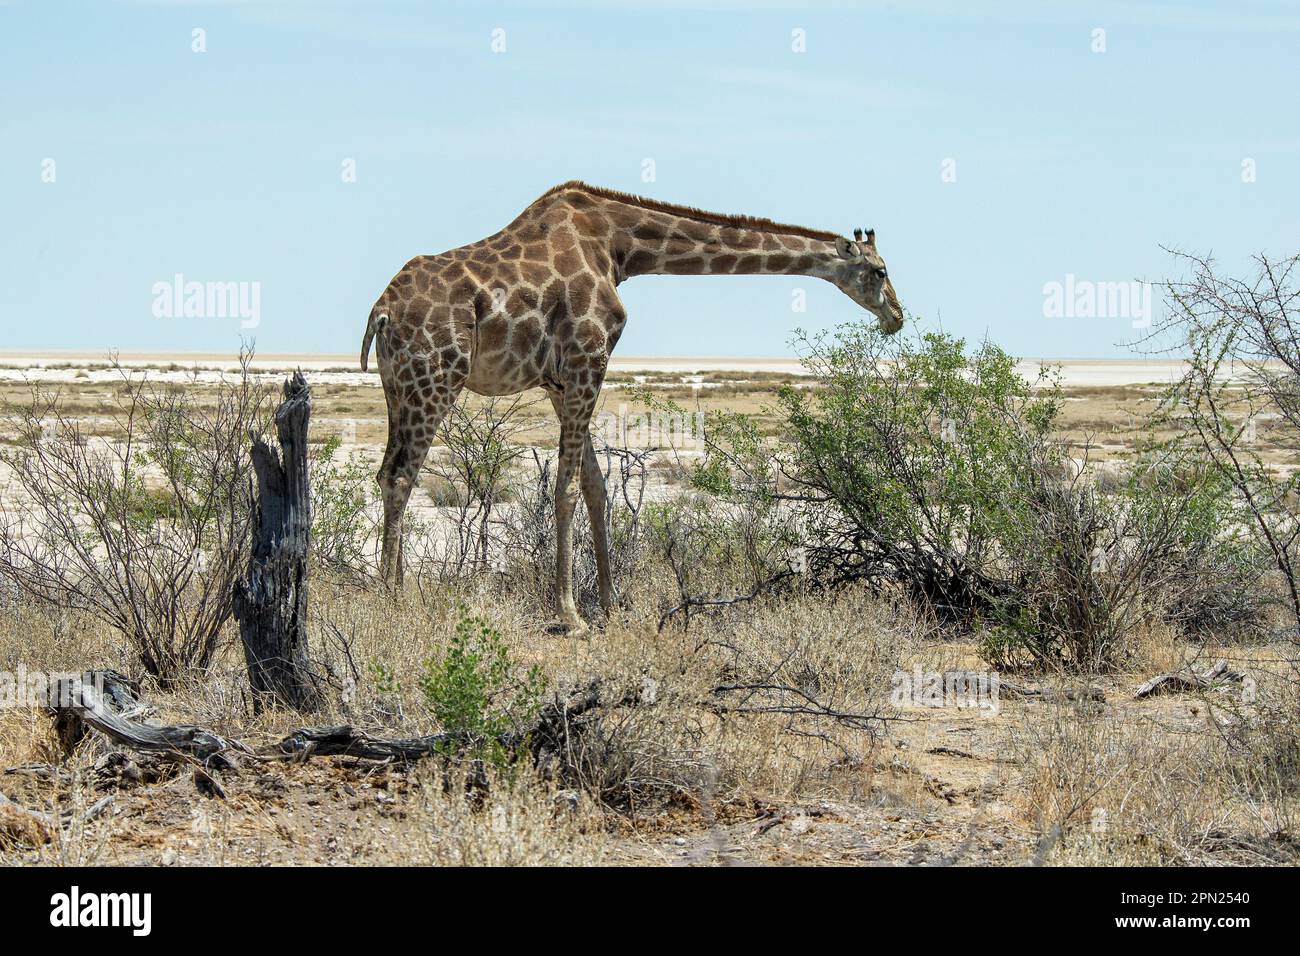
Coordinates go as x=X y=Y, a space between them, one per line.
x=1180 y=683
x=689 y=603
x=951 y=752
x=85 y=702
x=790 y=701
x=116 y=691
x=546 y=732
x=114 y=769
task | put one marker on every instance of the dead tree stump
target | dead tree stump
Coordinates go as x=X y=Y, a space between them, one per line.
x=270 y=602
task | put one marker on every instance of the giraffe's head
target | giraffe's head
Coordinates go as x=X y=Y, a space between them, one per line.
x=862 y=276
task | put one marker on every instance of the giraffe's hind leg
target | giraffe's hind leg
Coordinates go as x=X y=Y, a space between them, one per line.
x=413 y=420
x=402 y=461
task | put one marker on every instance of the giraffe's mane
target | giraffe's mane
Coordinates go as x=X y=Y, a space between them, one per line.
x=691 y=212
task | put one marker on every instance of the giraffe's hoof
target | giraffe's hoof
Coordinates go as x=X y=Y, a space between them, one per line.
x=565 y=627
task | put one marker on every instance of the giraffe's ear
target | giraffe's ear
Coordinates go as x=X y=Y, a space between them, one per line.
x=846 y=249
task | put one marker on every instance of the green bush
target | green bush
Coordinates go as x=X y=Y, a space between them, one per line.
x=1214 y=569
x=342 y=492
x=732 y=528
x=918 y=461
x=478 y=694
x=915 y=461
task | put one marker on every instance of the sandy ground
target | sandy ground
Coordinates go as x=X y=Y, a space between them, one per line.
x=344 y=369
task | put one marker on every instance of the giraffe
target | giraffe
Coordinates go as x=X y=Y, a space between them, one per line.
x=536 y=305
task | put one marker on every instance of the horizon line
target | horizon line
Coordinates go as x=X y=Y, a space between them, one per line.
x=353 y=358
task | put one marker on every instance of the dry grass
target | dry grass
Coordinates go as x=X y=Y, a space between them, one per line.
x=678 y=779
x=516 y=824
x=692 y=773
x=1154 y=786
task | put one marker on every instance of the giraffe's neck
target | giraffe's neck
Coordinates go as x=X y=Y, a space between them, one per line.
x=651 y=242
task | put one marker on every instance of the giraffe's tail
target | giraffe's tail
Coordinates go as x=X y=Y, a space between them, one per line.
x=374 y=326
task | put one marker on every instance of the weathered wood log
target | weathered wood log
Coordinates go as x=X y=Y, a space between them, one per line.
x=115 y=769
x=1174 y=682
x=270 y=602
x=545 y=733
x=544 y=736
x=83 y=702
x=347 y=741
x=112 y=689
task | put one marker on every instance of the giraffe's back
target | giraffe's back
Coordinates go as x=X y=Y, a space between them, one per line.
x=526 y=311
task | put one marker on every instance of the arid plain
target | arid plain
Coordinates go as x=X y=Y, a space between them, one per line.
x=1048 y=777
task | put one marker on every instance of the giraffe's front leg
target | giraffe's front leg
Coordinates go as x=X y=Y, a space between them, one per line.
x=566 y=499
x=573 y=406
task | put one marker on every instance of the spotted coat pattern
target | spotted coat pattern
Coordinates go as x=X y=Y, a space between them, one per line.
x=536 y=305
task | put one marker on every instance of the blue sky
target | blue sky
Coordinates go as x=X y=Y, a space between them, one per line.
x=227 y=165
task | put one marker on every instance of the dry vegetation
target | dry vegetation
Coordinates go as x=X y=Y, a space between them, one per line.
x=750 y=713
x=1154 y=782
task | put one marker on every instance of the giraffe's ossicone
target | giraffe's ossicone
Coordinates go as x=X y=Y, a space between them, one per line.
x=536 y=305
